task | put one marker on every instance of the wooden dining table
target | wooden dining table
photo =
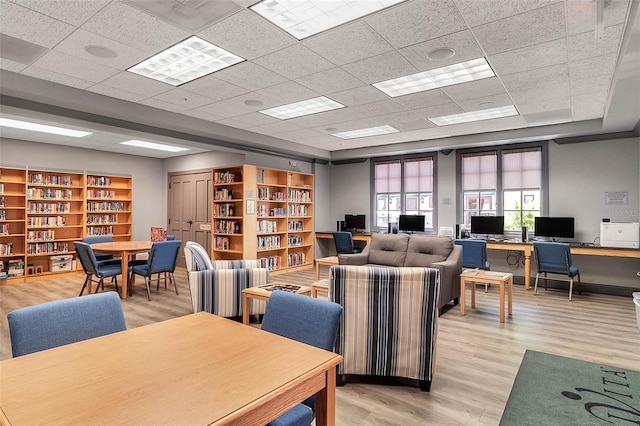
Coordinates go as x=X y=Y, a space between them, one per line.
x=124 y=250
x=199 y=369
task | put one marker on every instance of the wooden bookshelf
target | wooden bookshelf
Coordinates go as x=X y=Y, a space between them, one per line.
x=13 y=191
x=300 y=219
x=109 y=206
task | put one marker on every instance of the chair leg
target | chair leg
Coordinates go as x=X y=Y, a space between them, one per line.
x=115 y=280
x=545 y=281
x=486 y=287
x=579 y=285
x=147 y=280
x=86 y=280
x=100 y=283
x=173 y=280
x=570 y=288
x=535 y=287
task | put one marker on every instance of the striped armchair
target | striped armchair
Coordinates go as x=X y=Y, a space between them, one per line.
x=389 y=323
x=216 y=286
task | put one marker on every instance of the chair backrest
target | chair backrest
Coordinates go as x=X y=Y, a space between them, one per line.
x=552 y=257
x=344 y=242
x=474 y=253
x=196 y=257
x=170 y=237
x=87 y=257
x=302 y=318
x=95 y=239
x=52 y=324
x=163 y=256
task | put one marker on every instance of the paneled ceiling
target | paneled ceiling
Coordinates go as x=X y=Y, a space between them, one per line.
x=566 y=72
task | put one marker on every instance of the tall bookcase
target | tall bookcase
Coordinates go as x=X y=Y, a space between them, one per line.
x=13 y=187
x=109 y=208
x=264 y=214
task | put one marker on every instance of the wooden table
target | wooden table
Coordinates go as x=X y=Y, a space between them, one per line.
x=123 y=250
x=330 y=260
x=199 y=369
x=500 y=278
x=262 y=294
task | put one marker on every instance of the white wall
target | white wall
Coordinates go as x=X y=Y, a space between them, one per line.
x=447 y=196
x=350 y=192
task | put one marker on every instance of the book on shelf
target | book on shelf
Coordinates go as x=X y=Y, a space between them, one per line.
x=284 y=287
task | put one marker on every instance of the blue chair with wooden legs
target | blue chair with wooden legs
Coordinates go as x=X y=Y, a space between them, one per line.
x=93 y=268
x=474 y=255
x=307 y=320
x=162 y=258
x=61 y=322
x=555 y=258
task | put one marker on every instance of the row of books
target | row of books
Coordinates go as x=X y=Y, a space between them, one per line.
x=227 y=227
x=267 y=243
x=43 y=179
x=6 y=249
x=4 y=229
x=96 y=219
x=299 y=196
x=265 y=194
x=297 y=259
x=295 y=240
x=47 y=235
x=98 y=181
x=227 y=177
x=105 y=206
x=39 y=207
x=223 y=194
x=264 y=211
x=1 y=188
x=222 y=243
x=101 y=193
x=224 y=209
x=298 y=210
x=271 y=262
x=14 y=268
x=33 y=221
x=49 y=193
x=295 y=225
x=100 y=230
x=266 y=226
x=43 y=248
x=3 y=214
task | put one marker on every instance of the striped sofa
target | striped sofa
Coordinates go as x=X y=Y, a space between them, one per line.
x=389 y=321
x=216 y=286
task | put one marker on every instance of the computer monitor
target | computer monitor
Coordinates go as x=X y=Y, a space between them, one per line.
x=487 y=225
x=411 y=223
x=554 y=227
x=355 y=222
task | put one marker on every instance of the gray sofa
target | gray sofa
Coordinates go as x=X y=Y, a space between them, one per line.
x=415 y=251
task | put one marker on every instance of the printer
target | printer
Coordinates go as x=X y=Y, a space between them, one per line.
x=619 y=234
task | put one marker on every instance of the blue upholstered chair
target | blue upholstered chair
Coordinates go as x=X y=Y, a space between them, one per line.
x=555 y=258
x=162 y=258
x=344 y=243
x=474 y=255
x=52 y=324
x=95 y=239
x=307 y=320
x=92 y=268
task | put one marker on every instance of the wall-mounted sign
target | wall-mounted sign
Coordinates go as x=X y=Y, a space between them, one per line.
x=205 y=227
x=616 y=197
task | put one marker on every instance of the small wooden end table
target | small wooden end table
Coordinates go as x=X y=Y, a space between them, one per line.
x=322 y=285
x=330 y=261
x=261 y=293
x=500 y=278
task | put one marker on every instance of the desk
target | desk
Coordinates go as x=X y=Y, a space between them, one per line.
x=355 y=237
x=124 y=250
x=199 y=369
x=503 y=279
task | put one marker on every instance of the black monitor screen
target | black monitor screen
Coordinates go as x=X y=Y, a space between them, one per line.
x=411 y=223
x=488 y=225
x=355 y=221
x=554 y=227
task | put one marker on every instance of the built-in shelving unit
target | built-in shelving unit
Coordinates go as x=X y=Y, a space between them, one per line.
x=109 y=208
x=13 y=187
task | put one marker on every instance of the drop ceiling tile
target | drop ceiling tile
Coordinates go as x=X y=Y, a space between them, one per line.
x=294 y=62
x=213 y=88
x=67 y=80
x=160 y=104
x=474 y=89
x=588 y=106
x=357 y=40
x=586 y=45
x=203 y=115
x=486 y=102
x=250 y=76
x=328 y=81
x=592 y=67
x=34 y=27
x=478 y=12
x=275 y=128
x=548 y=105
x=116 y=93
x=387 y=106
x=526 y=29
x=379 y=68
x=300 y=136
x=184 y=98
x=239 y=102
x=9 y=65
x=399 y=117
x=252 y=119
x=423 y=99
x=581 y=14
x=76 y=43
x=247 y=35
x=462 y=43
x=74 y=67
x=439 y=110
x=542 y=92
x=341 y=115
x=222 y=109
x=74 y=12
x=130 y=26
x=309 y=121
x=537 y=56
x=288 y=92
x=362 y=123
x=537 y=77
x=358 y=96
x=600 y=83
x=138 y=84
x=416 y=21
x=410 y=126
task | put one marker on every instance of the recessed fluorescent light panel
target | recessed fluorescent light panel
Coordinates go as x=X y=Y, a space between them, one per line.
x=483 y=114
x=186 y=61
x=475 y=69
x=298 y=109
x=153 y=145
x=362 y=133
x=303 y=18
x=25 y=125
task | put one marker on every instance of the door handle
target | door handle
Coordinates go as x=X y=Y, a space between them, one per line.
x=190 y=222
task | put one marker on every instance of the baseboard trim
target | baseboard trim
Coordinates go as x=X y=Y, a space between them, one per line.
x=614 y=290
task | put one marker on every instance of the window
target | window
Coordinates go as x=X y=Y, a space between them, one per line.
x=404 y=186
x=503 y=181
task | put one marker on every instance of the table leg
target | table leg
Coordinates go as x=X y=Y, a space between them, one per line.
x=326 y=400
x=527 y=269
x=462 y=292
x=502 y=284
x=510 y=295
x=125 y=274
x=317 y=271
x=245 y=308
x=473 y=294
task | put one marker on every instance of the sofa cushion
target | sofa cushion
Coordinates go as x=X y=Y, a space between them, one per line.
x=388 y=249
x=423 y=251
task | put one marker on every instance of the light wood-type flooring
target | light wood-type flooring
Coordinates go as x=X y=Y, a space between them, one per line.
x=477 y=357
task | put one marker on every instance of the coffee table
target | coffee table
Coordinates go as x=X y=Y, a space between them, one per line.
x=263 y=293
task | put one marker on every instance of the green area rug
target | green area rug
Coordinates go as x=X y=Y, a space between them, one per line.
x=554 y=390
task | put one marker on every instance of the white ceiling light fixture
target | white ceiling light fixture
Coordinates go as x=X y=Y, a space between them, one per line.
x=370 y=131
x=154 y=145
x=43 y=128
x=186 y=61
x=305 y=18
x=475 y=69
x=306 y=107
x=483 y=114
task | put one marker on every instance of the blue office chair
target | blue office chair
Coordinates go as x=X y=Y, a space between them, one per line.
x=307 y=320
x=474 y=255
x=95 y=239
x=555 y=258
x=92 y=268
x=61 y=322
x=344 y=243
x=162 y=258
